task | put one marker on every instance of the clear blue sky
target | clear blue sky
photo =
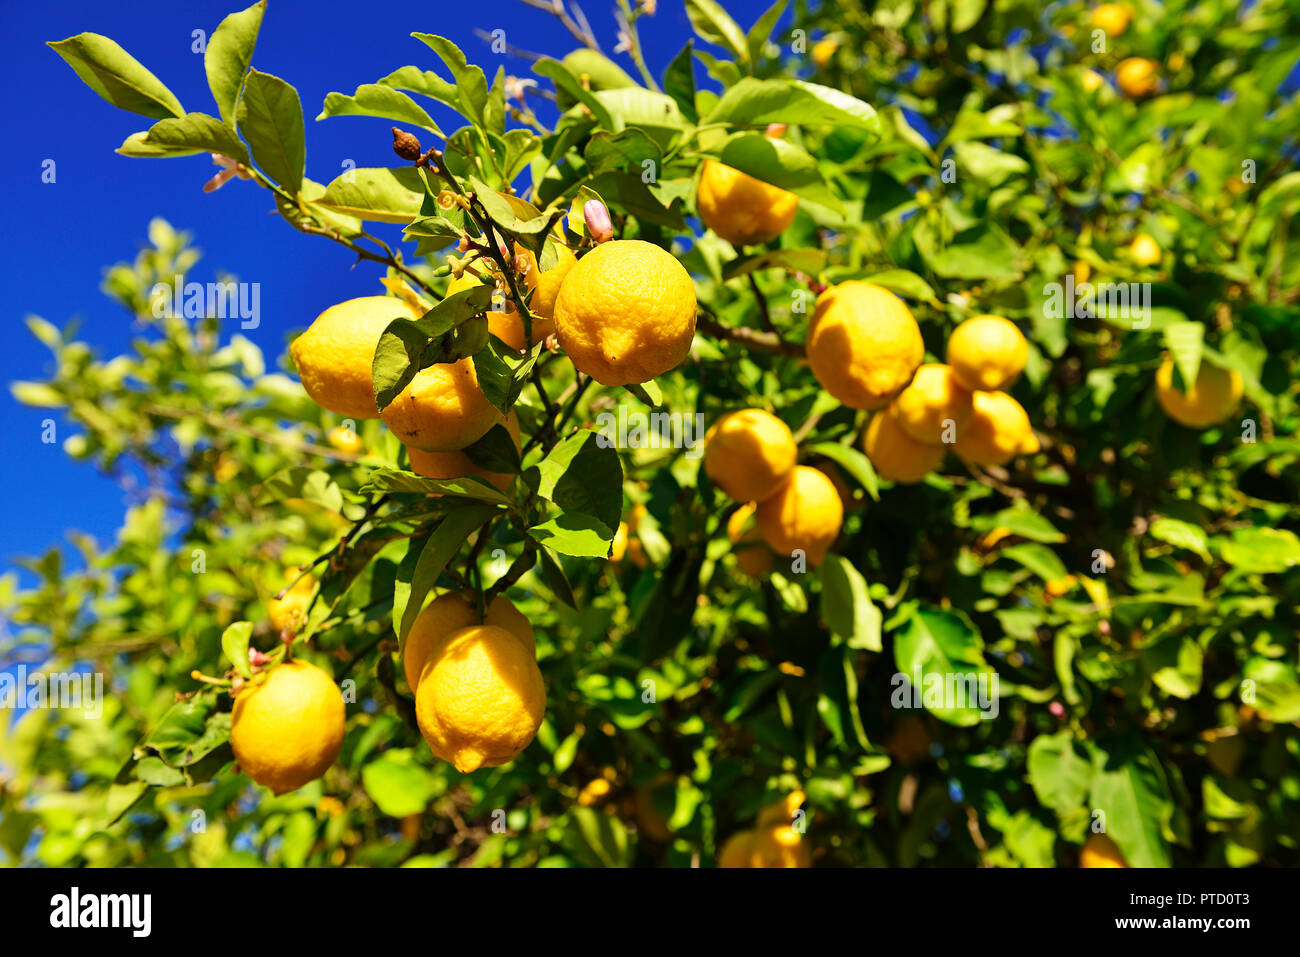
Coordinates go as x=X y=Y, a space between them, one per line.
x=61 y=235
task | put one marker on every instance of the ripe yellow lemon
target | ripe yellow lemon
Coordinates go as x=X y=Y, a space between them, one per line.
x=1144 y=250
x=289 y=613
x=626 y=312
x=450 y=612
x=804 y=513
x=1138 y=77
x=448 y=465
x=751 y=554
x=748 y=454
x=1100 y=851
x=334 y=355
x=987 y=353
x=442 y=409
x=287 y=730
x=896 y=456
x=1211 y=399
x=1112 y=17
x=346 y=440
x=480 y=698
x=779 y=846
x=741 y=209
x=823 y=50
x=998 y=431
x=546 y=285
x=935 y=406
x=1092 y=81
x=863 y=344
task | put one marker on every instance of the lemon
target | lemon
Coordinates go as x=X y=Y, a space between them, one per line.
x=1211 y=399
x=804 y=513
x=987 y=353
x=934 y=406
x=748 y=454
x=450 y=612
x=1112 y=17
x=626 y=312
x=287 y=730
x=896 y=456
x=289 y=613
x=1100 y=851
x=750 y=553
x=480 y=698
x=998 y=431
x=449 y=465
x=1145 y=250
x=1092 y=81
x=823 y=50
x=618 y=548
x=442 y=409
x=1137 y=76
x=346 y=440
x=863 y=344
x=780 y=846
x=741 y=209
x=335 y=354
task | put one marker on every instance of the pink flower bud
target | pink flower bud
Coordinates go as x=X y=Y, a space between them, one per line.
x=256 y=657
x=598 y=225
x=1057 y=709
x=775 y=130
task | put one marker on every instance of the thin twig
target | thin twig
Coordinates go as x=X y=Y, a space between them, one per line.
x=752 y=338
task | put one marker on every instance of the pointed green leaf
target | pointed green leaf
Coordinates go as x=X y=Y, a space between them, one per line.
x=117 y=76
x=228 y=55
x=270 y=119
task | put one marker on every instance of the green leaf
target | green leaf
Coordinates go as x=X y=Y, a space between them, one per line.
x=194 y=132
x=1185 y=341
x=1275 y=692
x=500 y=383
x=495 y=451
x=397 y=480
x=135 y=147
x=582 y=475
x=637 y=107
x=437 y=553
x=555 y=578
x=471 y=82
x=1182 y=535
x=630 y=194
x=854 y=462
x=989 y=165
x=117 y=76
x=372 y=99
x=1260 y=550
x=574 y=533
x=810 y=261
x=904 y=282
x=1176 y=665
x=847 y=607
x=759 y=33
x=228 y=55
x=753 y=102
x=398 y=785
x=1061 y=778
x=945 y=651
x=382 y=195
x=983 y=252
x=597 y=840
x=270 y=118
x=780 y=163
x=234 y=642
x=647 y=392
x=566 y=82
x=626 y=151
x=1039 y=559
x=1136 y=802
x=406 y=346
x=679 y=82
x=714 y=24
x=1023 y=521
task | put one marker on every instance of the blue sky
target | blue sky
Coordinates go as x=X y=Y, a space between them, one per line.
x=97 y=211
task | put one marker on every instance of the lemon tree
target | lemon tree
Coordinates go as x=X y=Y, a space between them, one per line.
x=988 y=318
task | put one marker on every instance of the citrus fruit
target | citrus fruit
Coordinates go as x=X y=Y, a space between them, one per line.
x=987 y=353
x=287 y=730
x=1100 y=851
x=450 y=612
x=449 y=465
x=289 y=613
x=335 y=354
x=804 y=513
x=896 y=456
x=1092 y=81
x=934 y=406
x=823 y=50
x=346 y=440
x=741 y=209
x=1112 y=17
x=480 y=698
x=751 y=554
x=863 y=344
x=442 y=409
x=998 y=431
x=779 y=846
x=1211 y=399
x=1144 y=250
x=626 y=312
x=748 y=454
x=1137 y=76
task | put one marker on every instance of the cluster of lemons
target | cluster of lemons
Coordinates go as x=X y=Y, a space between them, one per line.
x=1135 y=76
x=774 y=841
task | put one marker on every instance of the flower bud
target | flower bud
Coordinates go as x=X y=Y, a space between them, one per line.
x=598 y=225
x=775 y=131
